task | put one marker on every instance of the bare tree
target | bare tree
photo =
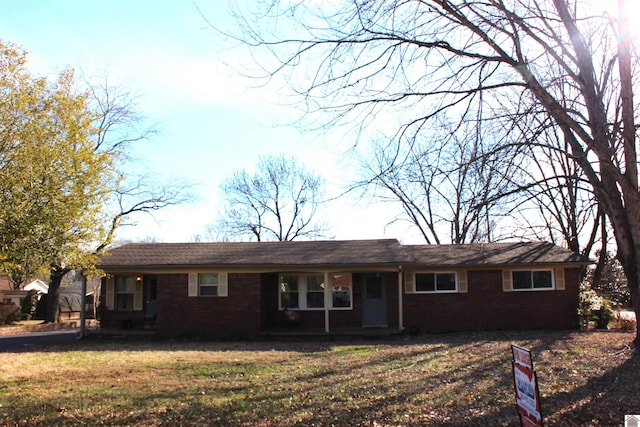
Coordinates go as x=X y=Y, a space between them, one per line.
x=279 y=202
x=557 y=203
x=522 y=62
x=117 y=125
x=451 y=187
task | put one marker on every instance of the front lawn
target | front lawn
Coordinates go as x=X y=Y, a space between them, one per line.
x=585 y=378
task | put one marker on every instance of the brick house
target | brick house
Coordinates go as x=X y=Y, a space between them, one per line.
x=243 y=290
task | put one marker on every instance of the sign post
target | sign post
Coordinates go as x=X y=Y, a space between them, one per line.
x=526 y=386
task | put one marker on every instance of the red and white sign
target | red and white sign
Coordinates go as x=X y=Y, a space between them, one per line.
x=526 y=386
x=522 y=356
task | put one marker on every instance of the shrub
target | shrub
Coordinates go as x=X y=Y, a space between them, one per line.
x=29 y=304
x=603 y=314
x=593 y=308
x=588 y=302
x=9 y=313
x=612 y=284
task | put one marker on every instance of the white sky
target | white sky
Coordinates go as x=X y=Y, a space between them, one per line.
x=209 y=123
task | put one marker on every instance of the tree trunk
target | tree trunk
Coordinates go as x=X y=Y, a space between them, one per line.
x=635 y=303
x=630 y=252
x=631 y=267
x=53 y=298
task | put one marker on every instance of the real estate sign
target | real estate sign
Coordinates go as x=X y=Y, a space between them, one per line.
x=526 y=386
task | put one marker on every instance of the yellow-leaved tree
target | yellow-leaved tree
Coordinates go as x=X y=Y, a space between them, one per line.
x=63 y=187
x=53 y=183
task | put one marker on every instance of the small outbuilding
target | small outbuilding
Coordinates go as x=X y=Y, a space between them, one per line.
x=247 y=289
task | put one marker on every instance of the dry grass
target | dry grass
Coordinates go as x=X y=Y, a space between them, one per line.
x=586 y=378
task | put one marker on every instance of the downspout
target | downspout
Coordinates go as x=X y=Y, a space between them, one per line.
x=327 y=301
x=400 y=312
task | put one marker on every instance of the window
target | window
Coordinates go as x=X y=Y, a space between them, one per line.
x=436 y=282
x=208 y=285
x=125 y=291
x=315 y=290
x=307 y=291
x=341 y=290
x=289 y=291
x=532 y=279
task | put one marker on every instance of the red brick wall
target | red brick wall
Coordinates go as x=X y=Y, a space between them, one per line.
x=487 y=306
x=236 y=316
x=252 y=307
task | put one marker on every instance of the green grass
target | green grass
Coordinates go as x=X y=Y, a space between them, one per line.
x=456 y=379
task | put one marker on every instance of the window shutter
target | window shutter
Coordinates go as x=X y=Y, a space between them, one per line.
x=137 y=295
x=462 y=281
x=507 y=285
x=110 y=293
x=193 y=285
x=560 y=279
x=223 y=287
x=409 y=284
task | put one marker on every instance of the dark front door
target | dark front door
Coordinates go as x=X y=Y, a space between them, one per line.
x=374 y=302
x=149 y=294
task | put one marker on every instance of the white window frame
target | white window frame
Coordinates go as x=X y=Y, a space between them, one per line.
x=333 y=291
x=532 y=288
x=319 y=293
x=436 y=290
x=302 y=291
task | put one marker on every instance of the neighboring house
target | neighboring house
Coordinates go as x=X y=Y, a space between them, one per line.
x=242 y=290
x=13 y=296
x=8 y=295
x=69 y=299
x=37 y=285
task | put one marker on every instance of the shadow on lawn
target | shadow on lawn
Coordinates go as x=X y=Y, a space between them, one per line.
x=536 y=338
x=460 y=379
x=389 y=388
x=603 y=400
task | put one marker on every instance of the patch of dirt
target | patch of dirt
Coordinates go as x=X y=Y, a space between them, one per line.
x=37 y=326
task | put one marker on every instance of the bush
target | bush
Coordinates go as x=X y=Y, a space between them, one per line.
x=593 y=308
x=29 y=305
x=612 y=284
x=9 y=313
x=603 y=315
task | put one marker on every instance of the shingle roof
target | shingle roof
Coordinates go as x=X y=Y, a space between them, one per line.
x=492 y=254
x=257 y=254
x=383 y=252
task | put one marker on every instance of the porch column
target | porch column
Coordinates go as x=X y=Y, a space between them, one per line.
x=83 y=306
x=327 y=301
x=400 y=314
